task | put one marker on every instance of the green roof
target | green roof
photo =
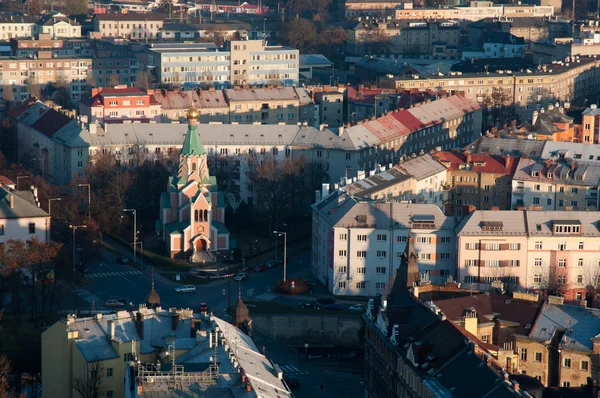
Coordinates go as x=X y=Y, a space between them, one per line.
x=165 y=198
x=175 y=228
x=211 y=180
x=192 y=144
x=220 y=199
x=221 y=228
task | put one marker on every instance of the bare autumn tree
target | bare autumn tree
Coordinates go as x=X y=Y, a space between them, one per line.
x=300 y=33
x=142 y=80
x=330 y=39
x=376 y=42
x=499 y=106
x=113 y=80
x=89 y=383
x=227 y=172
x=35 y=7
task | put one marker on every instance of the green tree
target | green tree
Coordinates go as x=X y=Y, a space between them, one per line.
x=76 y=7
x=142 y=80
x=300 y=33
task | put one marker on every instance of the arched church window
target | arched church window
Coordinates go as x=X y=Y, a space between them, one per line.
x=193 y=166
x=197 y=215
x=205 y=215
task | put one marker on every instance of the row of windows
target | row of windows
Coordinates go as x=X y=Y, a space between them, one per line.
x=31 y=228
x=399 y=239
x=362 y=285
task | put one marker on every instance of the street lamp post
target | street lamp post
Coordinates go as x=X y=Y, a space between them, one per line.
x=284 y=253
x=277 y=240
x=134 y=232
x=89 y=198
x=49 y=202
x=75 y=227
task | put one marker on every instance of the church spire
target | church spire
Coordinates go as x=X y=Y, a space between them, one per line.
x=192 y=144
x=408 y=272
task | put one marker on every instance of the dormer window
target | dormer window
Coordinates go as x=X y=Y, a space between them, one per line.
x=566 y=227
x=550 y=174
x=535 y=173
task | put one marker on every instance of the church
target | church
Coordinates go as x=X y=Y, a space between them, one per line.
x=192 y=211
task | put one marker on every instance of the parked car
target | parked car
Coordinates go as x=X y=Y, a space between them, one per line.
x=312 y=304
x=274 y=263
x=241 y=276
x=122 y=260
x=292 y=382
x=112 y=303
x=260 y=268
x=358 y=308
x=203 y=307
x=326 y=300
x=334 y=307
x=186 y=289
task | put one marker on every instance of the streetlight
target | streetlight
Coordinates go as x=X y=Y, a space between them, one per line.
x=89 y=198
x=18 y=180
x=134 y=232
x=75 y=227
x=284 y=252
x=276 y=240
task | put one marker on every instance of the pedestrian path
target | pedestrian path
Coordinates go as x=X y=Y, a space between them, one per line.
x=291 y=370
x=109 y=274
x=266 y=296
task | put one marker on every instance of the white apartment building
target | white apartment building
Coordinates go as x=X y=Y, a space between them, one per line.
x=21 y=217
x=430 y=179
x=357 y=245
x=247 y=62
x=58 y=26
x=17 y=26
x=555 y=250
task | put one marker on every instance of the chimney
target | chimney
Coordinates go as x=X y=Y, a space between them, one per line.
x=324 y=190
x=11 y=199
x=174 y=321
x=96 y=91
x=470 y=322
x=34 y=191
x=139 y=325
x=248 y=387
x=534 y=117
x=317 y=196
x=93 y=128
x=340 y=130
x=507 y=160
x=111 y=330
x=468 y=157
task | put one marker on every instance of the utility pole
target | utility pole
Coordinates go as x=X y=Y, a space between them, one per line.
x=134 y=232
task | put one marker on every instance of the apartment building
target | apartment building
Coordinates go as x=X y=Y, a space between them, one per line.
x=19 y=73
x=58 y=25
x=27 y=47
x=211 y=105
x=573 y=81
x=357 y=245
x=118 y=104
x=560 y=350
x=475 y=12
x=363 y=102
x=263 y=105
x=144 y=26
x=538 y=250
x=331 y=106
x=590 y=125
x=482 y=181
x=12 y=26
x=21 y=217
x=439 y=38
x=248 y=62
x=555 y=185
x=129 y=348
x=404 y=357
x=356 y=8
x=351 y=151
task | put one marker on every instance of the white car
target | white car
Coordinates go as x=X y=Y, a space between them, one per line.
x=241 y=276
x=357 y=308
x=185 y=289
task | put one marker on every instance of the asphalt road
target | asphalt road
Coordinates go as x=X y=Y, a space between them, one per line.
x=107 y=279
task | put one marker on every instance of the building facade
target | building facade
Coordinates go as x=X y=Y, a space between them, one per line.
x=119 y=104
x=131 y=26
x=357 y=245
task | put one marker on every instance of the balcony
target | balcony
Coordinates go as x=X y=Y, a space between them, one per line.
x=519 y=190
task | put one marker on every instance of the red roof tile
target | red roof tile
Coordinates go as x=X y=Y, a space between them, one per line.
x=19 y=109
x=408 y=120
x=491 y=163
x=51 y=122
x=4 y=180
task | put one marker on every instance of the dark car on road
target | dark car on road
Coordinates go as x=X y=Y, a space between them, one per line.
x=112 y=303
x=334 y=307
x=122 y=260
x=260 y=268
x=326 y=300
x=274 y=263
x=313 y=305
x=291 y=381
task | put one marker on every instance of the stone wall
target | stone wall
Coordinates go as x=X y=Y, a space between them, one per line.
x=298 y=329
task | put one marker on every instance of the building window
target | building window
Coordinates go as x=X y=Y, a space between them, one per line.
x=580 y=262
x=361 y=254
x=537 y=262
x=580 y=245
x=401 y=239
x=381 y=253
x=380 y=285
x=492 y=263
x=360 y=285
x=566 y=384
x=1 y=230
x=470 y=263
x=562 y=279
x=579 y=278
x=342 y=269
x=492 y=246
x=562 y=263
x=485 y=338
x=537 y=278
x=362 y=238
x=567 y=363
x=515 y=246
x=380 y=270
x=424 y=239
x=562 y=246
x=128 y=357
x=538 y=245
x=446 y=239
x=341 y=285
x=523 y=354
x=361 y=270
x=32 y=228
x=109 y=373
x=343 y=236
x=109 y=394
x=471 y=246
x=342 y=253
x=538 y=357
x=584 y=365
x=425 y=256
x=444 y=256
x=382 y=237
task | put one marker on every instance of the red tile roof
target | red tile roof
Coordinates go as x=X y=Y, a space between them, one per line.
x=19 y=109
x=407 y=119
x=491 y=163
x=51 y=122
x=4 y=180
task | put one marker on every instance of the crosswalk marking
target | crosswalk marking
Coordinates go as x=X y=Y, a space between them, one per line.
x=289 y=369
x=107 y=274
